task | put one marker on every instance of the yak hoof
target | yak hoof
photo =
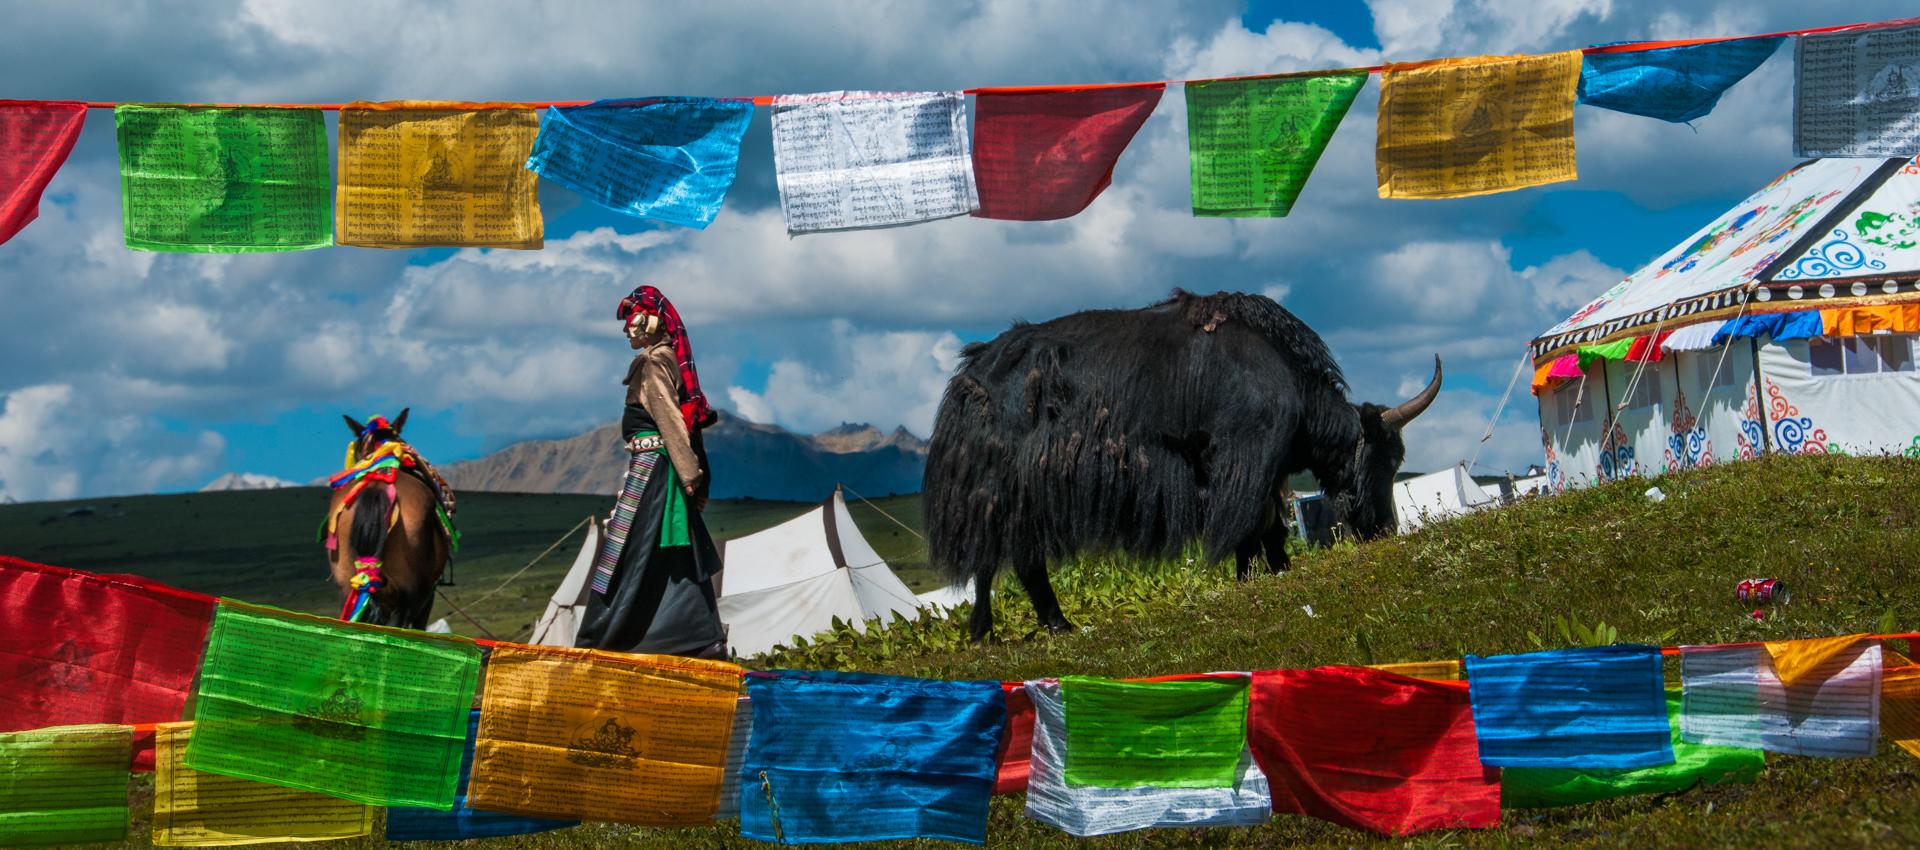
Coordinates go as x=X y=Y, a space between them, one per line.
x=1058 y=625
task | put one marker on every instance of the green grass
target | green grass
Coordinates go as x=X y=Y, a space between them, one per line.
x=1840 y=531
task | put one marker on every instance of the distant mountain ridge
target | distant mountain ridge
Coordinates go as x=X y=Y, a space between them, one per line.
x=750 y=459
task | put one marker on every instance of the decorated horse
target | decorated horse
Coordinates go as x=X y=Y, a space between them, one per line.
x=389 y=530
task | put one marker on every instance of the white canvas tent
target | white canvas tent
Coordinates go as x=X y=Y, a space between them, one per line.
x=1816 y=280
x=947 y=598
x=561 y=620
x=794 y=578
x=1437 y=495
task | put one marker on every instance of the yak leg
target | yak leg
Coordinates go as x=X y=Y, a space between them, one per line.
x=1032 y=572
x=981 y=621
x=1275 y=543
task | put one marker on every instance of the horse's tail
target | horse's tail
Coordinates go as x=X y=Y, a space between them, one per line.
x=366 y=541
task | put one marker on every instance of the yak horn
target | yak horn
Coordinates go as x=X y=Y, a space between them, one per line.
x=1399 y=416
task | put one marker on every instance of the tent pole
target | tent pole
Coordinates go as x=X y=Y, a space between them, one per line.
x=1759 y=397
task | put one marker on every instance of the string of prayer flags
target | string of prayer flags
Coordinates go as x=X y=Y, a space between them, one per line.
x=35 y=138
x=1088 y=810
x=1589 y=707
x=1015 y=755
x=670 y=159
x=1812 y=698
x=192 y=808
x=1177 y=734
x=408 y=823
x=64 y=785
x=223 y=180
x=854 y=159
x=1252 y=143
x=422 y=174
x=865 y=757
x=1856 y=93
x=1900 y=701
x=1371 y=750
x=82 y=648
x=603 y=736
x=1693 y=764
x=366 y=713
x=1452 y=128
x=1042 y=154
x=729 y=807
x=1678 y=84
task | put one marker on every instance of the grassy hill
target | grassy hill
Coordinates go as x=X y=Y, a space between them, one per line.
x=259 y=545
x=1842 y=532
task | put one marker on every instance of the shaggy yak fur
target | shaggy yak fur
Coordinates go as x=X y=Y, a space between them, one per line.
x=1140 y=430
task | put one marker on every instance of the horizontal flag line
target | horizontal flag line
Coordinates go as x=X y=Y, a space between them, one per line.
x=767 y=100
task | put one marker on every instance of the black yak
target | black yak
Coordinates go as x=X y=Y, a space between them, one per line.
x=1140 y=430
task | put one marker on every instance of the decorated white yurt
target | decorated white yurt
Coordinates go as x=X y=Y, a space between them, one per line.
x=1787 y=325
x=796 y=577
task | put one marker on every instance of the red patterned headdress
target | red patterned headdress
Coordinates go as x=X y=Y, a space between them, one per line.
x=648 y=301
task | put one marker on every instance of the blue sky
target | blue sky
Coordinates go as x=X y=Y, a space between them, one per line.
x=127 y=372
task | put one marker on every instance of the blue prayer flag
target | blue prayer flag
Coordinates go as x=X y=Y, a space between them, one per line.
x=864 y=757
x=406 y=823
x=668 y=158
x=1782 y=327
x=1593 y=707
x=1675 y=84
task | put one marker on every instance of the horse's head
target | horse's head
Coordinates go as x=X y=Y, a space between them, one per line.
x=377 y=431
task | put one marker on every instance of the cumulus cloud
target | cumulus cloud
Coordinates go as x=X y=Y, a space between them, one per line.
x=57 y=443
x=885 y=377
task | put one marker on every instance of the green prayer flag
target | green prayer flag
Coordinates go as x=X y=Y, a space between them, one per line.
x=1252 y=143
x=224 y=179
x=1184 y=734
x=64 y=785
x=364 y=713
x=1540 y=787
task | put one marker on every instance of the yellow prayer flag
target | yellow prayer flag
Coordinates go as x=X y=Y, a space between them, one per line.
x=193 y=808
x=417 y=174
x=604 y=736
x=1451 y=128
x=1794 y=660
x=1439 y=671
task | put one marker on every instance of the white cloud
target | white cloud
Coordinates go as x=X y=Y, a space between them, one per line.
x=885 y=378
x=54 y=444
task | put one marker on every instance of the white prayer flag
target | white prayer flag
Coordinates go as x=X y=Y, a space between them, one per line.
x=1857 y=94
x=848 y=160
x=1734 y=697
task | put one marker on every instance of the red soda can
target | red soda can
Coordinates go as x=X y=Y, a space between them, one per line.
x=1761 y=591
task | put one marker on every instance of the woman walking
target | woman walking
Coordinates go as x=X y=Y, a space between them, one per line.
x=652 y=589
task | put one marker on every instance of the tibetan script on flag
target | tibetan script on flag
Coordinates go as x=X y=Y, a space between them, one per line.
x=223 y=179
x=35 y=138
x=78 y=647
x=366 y=713
x=419 y=174
x=64 y=785
x=856 y=159
x=196 y=809
x=1451 y=128
x=1253 y=143
x=603 y=736
x=1858 y=93
x=1042 y=154
x=1811 y=698
x=1181 y=734
x=670 y=159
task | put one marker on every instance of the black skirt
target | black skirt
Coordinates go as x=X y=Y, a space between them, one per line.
x=660 y=599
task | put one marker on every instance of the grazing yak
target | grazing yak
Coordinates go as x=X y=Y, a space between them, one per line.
x=1140 y=430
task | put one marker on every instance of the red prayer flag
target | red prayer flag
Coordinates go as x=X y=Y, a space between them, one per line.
x=81 y=648
x=35 y=138
x=1016 y=741
x=1041 y=154
x=1371 y=750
